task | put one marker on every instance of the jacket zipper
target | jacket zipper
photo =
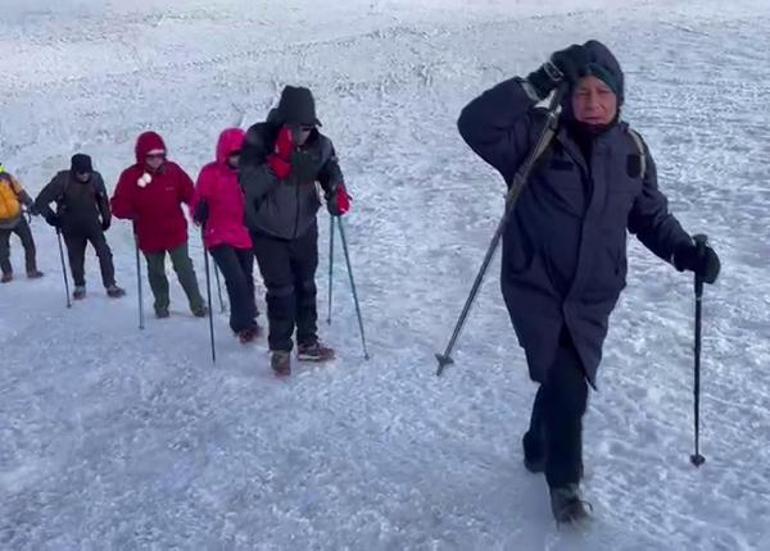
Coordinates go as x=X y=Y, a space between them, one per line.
x=296 y=217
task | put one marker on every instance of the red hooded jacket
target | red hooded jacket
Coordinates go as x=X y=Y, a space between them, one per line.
x=218 y=186
x=153 y=199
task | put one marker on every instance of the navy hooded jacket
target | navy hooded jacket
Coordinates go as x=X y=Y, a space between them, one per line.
x=564 y=249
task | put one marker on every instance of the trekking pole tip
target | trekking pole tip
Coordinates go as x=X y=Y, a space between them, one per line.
x=697 y=459
x=443 y=362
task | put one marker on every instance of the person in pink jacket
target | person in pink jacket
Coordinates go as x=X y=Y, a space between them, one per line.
x=218 y=205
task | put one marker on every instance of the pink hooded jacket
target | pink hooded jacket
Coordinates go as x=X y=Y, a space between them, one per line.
x=218 y=186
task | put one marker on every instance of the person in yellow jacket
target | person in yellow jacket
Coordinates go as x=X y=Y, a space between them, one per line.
x=12 y=200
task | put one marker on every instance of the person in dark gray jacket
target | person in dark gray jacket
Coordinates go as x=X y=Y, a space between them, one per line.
x=564 y=249
x=82 y=215
x=281 y=162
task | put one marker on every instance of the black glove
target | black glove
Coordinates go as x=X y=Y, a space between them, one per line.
x=106 y=222
x=565 y=65
x=705 y=264
x=53 y=220
x=32 y=210
x=304 y=166
x=201 y=215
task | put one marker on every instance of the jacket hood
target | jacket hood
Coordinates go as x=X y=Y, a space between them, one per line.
x=230 y=141
x=297 y=106
x=146 y=142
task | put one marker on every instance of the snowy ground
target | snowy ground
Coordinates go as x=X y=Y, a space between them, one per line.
x=111 y=438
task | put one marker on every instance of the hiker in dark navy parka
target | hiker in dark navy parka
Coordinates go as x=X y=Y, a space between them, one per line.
x=564 y=249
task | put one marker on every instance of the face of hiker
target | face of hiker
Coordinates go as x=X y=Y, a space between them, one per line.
x=594 y=102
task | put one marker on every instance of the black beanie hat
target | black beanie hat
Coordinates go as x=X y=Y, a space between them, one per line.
x=81 y=164
x=604 y=66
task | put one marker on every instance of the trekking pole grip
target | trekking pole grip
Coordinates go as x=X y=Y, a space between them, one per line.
x=701 y=242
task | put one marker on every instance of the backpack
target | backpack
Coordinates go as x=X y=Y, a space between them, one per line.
x=10 y=206
x=61 y=200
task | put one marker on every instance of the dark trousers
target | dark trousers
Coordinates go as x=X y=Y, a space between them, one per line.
x=25 y=234
x=556 y=424
x=288 y=270
x=237 y=267
x=76 y=252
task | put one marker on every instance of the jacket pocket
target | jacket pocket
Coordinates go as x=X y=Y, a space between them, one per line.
x=619 y=265
x=518 y=252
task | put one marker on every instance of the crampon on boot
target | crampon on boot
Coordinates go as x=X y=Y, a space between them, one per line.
x=280 y=361
x=567 y=506
x=314 y=352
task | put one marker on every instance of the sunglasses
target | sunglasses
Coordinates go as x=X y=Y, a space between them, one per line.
x=156 y=156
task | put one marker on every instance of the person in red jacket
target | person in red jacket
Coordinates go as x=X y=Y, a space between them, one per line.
x=150 y=194
x=219 y=206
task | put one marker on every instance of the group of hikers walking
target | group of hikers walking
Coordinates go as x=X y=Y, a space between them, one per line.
x=590 y=180
x=258 y=199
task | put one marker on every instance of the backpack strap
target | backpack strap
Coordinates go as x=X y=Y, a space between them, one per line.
x=6 y=177
x=65 y=186
x=15 y=186
x=640 y=147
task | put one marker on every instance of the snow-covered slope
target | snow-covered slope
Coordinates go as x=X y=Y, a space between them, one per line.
x=111 y=438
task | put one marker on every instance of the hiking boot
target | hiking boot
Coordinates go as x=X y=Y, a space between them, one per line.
x=200 y=312
x=314 y=352
x=7 y=278
x=79 y=293
x=249 y=335
x=534 y=454
x=280 y=361
x=566 y=505
x=113 y=291
x=34 y=274
x=246 y=336
x=161 y=313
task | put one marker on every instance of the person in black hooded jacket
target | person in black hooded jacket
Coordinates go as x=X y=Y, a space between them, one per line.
x=82 y=216
x=282 y=160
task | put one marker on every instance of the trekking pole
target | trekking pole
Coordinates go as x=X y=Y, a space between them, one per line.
x=208 y=293
x=352 y=285
x=139 y=283
x=64 y=269
x=700 y=242
x=517 y=186
x=222 y=308
x=331 y=266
